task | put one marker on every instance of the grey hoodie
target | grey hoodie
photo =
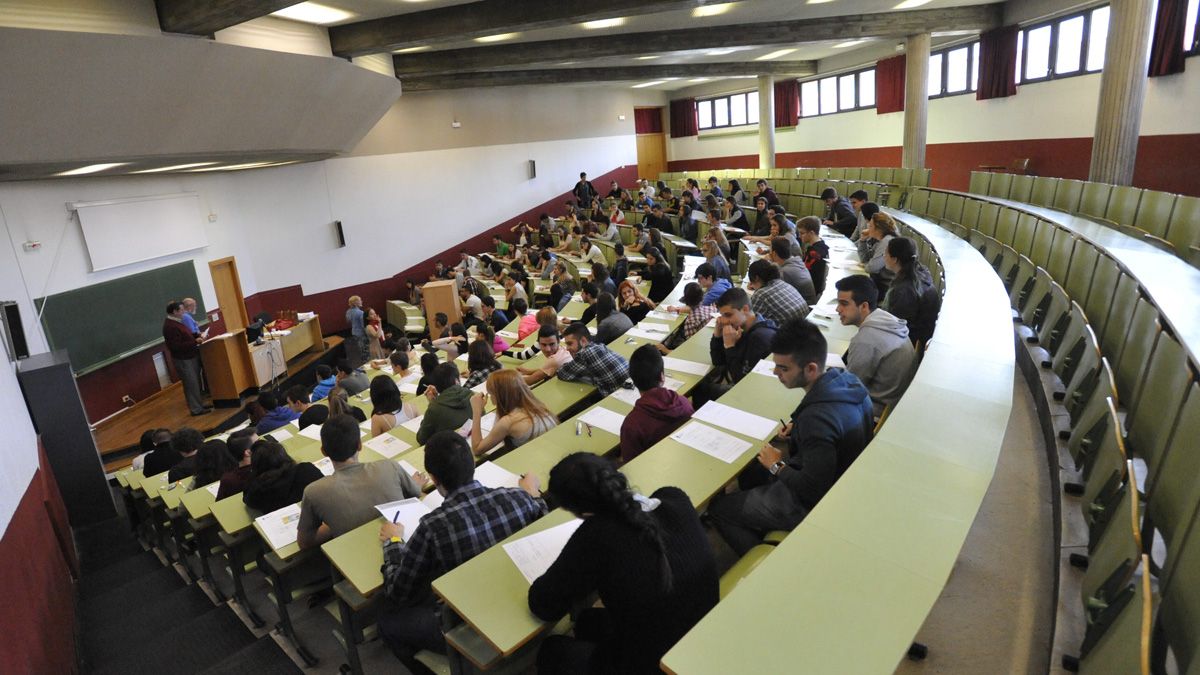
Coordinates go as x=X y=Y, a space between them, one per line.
x=882 y=356
x=796 y=274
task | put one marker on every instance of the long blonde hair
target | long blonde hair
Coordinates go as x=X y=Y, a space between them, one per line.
x=339 y=402
x=884 y=223
x=508 y=389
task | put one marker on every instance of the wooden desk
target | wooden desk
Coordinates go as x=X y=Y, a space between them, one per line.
x=304 y=337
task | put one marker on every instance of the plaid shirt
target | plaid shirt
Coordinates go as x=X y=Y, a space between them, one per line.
x=471 y=520
x=697 y=318
x=599 y=366
x=779 y=302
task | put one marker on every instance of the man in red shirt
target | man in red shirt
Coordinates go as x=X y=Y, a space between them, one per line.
x=184 y=346
x=658 y=412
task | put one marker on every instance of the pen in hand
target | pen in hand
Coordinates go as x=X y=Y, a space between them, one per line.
x=396 y=518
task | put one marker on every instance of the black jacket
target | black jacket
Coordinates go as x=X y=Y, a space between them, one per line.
x=279 y=488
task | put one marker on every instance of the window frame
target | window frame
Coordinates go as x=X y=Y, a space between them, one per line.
x=972 y=55
x=1194 y=48
x=1055 y=24
x=711 y=101
x=837 y=77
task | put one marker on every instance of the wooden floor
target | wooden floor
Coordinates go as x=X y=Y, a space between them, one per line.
x=118 y=436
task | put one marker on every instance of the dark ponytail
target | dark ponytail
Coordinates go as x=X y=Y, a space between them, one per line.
x=587 y=483
x=905 y=252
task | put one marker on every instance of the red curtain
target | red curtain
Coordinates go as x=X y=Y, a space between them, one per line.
x=998 y=63
x=889 y=85
x=647 y=120
x=787 y=103
x=683 y=118
x=1166 y=52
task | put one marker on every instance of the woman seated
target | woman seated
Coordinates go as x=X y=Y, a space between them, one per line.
x=616 y=215
x=912 y=297
x=339 y=404
x=648 y=558
x=486 y=333
x=520 y=417
x=716 y=233
x=713 y=255
x=278 y=480
x=388 y=408
x=429 y=361
x=873 y=245
x=453 y=345
x=658 y=274
x=633 y=304
x=212 y=461
x=481 y=362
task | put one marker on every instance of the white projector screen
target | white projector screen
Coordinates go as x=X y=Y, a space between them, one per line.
x=124 y=231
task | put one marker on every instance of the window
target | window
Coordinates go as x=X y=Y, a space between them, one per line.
x=1063 y=47
x=1037 y=53
x=958 y=69
x=954 y=70
x=838 y=93
x=1191 y=30
x=1068 y=54
x=975 y=67
x=935 y=74
x=1097 y=38
x=733 y=110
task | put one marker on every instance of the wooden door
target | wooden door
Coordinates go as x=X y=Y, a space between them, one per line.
x=228 y=286
x=651 y=155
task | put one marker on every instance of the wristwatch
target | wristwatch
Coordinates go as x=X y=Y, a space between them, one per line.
x=777 y=467
x=394 y=540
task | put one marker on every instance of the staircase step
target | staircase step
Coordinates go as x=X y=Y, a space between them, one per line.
x=264 y=657
x=125 y=594
x=115 y=630
x=117 y=574
x=188 y=647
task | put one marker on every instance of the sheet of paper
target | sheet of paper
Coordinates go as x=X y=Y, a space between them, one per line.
x=386 y=369
x=480 y=388
x=407 y=512
x=507 y=334
x=490 y=475
x=325 y=465
x=365 y=426
x=312 y=431
x=243 y=425
x=665 y=316
x=409 y=388
x=672 y=363
x=406 y=467
x=834 y=361
x=765 y=367
x=637 y=332
x=711 y=441
x=414 y=424
x=653 y=327
x=387 y=445
x=533 y=555
x=280 y=434
x=213 y=488
x=487 y=422
x=433 y=500
x=603 y=418
x=280 y=527
x=629 y=396
x=726 y=417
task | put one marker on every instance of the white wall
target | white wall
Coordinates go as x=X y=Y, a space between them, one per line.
x=19 y=460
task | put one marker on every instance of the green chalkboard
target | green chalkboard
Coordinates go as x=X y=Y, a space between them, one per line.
x=105 y=322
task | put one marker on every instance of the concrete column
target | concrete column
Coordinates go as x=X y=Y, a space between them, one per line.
x=1122 y=88
x=766 y=122
x=916 y=100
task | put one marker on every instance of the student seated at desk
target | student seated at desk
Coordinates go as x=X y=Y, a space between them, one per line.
x=592 y=362
x=399 y=362
x=590 y=252
x=840 y=215
x=563 y=287
x=656 y=219
x=496 y=318
x=792 y=268
x=278 y=413
x=186 y=443
x=857 y=199
x=632 y=303
x=236 y=479
x=714 y=257
x=520 y=416
x=488 y=335
x=153 y=442
x=734 y=216
x=352 y=379
x=762 y=219
x=470 y=520
x=912 y=296
x=641 y=239
x=740 y=340
x=297 y=400
x=647 y=557
x=736 y=194
x=388 y=407
x=454 y=344
x=472 y=307
x=773 y=297
x=449 y=403
x=503 y=250
x=828 y=431
x=339 y=503
x=602 y=279
x=429 y=361
x=556 y=355
x=698 y=315
x=569 y=242
x=816 y=252
x=325 y=381
x=616 y=217
x=658 y=412
x=481 y=362
x=514 y=289
x=880 y=354
x=211 y=462
x=670 y=202
x=658 y=274
x=276 y=479
x=872 y=248
x=339 y=404
x=611 y=323
x=620 y=268
x=713 y=284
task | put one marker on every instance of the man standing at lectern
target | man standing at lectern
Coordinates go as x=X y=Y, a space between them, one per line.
x=184 y=346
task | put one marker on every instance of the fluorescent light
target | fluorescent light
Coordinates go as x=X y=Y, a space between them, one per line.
x=775 y=54
x=91 y=168
x=177 y=167
x=851 y=43
x=410 y=50
x=568 y=63
x=649 y=84
x=603 y=23
x=236 y=167
x=697 y=80
x=712 y=10
x=647 y=58
x=311 y=12
x=818 y=2
x=722 y=52
x=497 y=38
x=909 y=4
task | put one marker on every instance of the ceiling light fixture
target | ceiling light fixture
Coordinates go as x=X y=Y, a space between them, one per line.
x=721 y=52
x=235 y=167
x=311 y=12
x=774 y=55
x=698 y=80
x=649 y=84
x=91 y=168
x=603 y=23
x=496 y=38
x=850 y=43
x=650 y=57
x=909 y=4
x=712 y=10
x=177 y=167
x=818 y=2
x=410 y=50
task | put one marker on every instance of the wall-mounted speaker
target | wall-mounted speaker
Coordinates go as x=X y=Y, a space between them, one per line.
x=341 y=234
x=14 y=332
x=532 y=169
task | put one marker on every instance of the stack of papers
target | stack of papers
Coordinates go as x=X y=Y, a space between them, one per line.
x=280 y=527
x=727 y=417
x=387 y=445
x=533 y=555
x=603 y=418
x=711 y=441
x=490 y=475
x=407 y=512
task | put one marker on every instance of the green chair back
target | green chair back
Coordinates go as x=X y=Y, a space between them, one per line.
x=902 y=177
x=1114 y=644
x=1000 y=185
x=1123 y=204
x=1184 y=229
x=1093 y=200
x=1026 y=229
x=1111 y=298
x=1043 y=191
x=1108 y=459
x=1083 y=261
x=989 y=214
x=1173 y=497
x=1068 y=195
x=954 y=208
x=1136 y=348
x=1159 y=398
x=1006 y=226
x=970 y=213
x=1021 y=188
x=1179 y=613
x=918 y=202
x=1154 y=212
x=1054 y=324
x=937 y=205
x=1057 y=251
x=979 y=182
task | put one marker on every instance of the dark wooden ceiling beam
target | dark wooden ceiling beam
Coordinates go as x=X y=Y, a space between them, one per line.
x=205 y=17
x=510 y=78
x=489 y=17
x=859 y=26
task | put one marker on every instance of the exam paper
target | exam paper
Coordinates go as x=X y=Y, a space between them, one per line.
x=765 y=367
x=280 y=527
x=409 y=388
x=312 y=431
x=672 y=363
x=665 y=316
x=433 y=500
x=213 y=488
x=387 y=445
x=325 y=465
x=533 y=555
x=726 y=417
x=711 y=441
x=653 y=327
x=407 y=512
x=645 y=334
x=406 y=467
x=603 y=418
x=492 y=476
x=280 y=434
x=414 y=424
x=631 y=396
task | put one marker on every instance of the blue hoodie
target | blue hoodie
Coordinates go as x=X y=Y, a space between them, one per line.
x=322 y=389
x=830 y=428
x=276 y=418
x=716 y=290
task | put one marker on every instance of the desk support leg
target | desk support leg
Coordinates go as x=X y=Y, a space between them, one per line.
x=235 y=551
x=352 y=636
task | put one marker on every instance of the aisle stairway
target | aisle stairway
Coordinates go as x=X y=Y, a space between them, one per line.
x=139 y=616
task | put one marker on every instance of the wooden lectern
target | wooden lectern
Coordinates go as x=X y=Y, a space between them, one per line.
x=228 y=367
x=441 y=296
